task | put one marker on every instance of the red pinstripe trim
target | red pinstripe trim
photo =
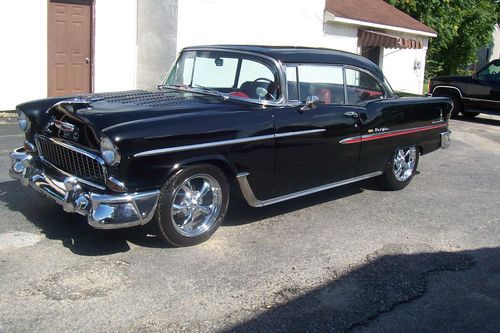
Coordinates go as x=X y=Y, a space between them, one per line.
x=370 y=137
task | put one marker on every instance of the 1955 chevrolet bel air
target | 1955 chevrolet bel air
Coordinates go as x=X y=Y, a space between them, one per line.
x=275 y=123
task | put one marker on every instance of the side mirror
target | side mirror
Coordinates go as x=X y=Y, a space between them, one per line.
x=311 y=103
x=474 y=76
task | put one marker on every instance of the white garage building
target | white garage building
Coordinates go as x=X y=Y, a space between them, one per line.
x=62 y=47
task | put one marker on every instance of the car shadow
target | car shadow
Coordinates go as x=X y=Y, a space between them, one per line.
x=480 y=120
x=76 y=235
x=382 y=294
x=71 y=229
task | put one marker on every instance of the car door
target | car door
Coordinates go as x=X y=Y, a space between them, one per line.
x=483 y=92
x=308 y=149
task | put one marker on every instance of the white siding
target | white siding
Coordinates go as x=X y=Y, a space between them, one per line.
x=156 y=40
x=115 y=45
x=264 y=22
x=23 y=59
x=495 y=51
x=341 y=37
x=405 y=68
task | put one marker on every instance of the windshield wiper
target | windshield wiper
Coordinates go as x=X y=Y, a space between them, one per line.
x=173 y=86
x=198 y=89
x=224 y=96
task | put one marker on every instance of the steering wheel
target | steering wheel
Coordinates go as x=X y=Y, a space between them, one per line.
x=263 y=79
x=275 y=87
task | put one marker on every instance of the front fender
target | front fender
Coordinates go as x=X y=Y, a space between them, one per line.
x=153 y=171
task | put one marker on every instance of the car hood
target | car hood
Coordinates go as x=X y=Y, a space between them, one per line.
x=110 y=110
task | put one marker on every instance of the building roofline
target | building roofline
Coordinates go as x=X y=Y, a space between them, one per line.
x=330 y=17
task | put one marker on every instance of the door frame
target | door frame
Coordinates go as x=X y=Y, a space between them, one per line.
x=90 y=3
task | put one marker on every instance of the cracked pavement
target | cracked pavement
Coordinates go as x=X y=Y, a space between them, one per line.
x=355 y=258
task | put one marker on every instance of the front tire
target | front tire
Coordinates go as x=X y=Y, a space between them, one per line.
x=192 y=205
x=400 y=169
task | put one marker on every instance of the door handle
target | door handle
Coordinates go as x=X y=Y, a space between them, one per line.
x=351 y=114
x=87 y=61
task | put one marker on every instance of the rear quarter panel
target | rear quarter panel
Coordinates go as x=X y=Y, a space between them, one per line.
x=392 y=123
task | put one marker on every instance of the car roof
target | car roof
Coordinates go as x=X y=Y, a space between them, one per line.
x=300 y=54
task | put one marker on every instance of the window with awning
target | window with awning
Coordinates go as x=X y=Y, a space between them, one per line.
x=377 y=38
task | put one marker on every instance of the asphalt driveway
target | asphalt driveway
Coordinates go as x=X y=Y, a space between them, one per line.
x=354 y=258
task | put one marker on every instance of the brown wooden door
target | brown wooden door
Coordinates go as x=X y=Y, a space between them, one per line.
x=69 y=48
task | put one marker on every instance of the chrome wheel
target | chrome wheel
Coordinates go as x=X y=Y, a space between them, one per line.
x=404 y=163
x=196 y=205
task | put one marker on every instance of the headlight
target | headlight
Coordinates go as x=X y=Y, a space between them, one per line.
x=23 y=120
x=109 y=152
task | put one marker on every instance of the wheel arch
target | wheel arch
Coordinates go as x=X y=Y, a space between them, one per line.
x=452 y=92
x=219 y=161
x=450 y=89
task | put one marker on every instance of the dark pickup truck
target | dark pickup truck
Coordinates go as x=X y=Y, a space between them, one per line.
x=471 y=95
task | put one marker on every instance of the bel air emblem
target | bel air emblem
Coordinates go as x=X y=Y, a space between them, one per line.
x=65 y=127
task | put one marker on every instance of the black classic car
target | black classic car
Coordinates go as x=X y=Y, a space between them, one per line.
x=270 y=123
x=471 y=95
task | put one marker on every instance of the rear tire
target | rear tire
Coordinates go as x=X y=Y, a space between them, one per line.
x=457 y=105
x=192 y=205
x=400 y=169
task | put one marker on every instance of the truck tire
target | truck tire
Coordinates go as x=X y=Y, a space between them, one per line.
x=457 y=105
x=469 y=114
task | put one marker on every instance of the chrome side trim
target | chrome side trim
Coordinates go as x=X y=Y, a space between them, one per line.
x=223 y=143
x=447 y=87
x=352 y=139
x=203 y=145
x=388 y=134
x=254 y=202
x=287 y=134
x=480 y=100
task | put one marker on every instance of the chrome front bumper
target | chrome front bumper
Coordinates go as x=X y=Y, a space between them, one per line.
x=103 y=211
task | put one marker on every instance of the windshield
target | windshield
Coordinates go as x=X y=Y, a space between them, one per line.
x=226 y=73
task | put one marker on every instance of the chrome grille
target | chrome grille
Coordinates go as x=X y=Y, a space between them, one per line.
x=71 y=160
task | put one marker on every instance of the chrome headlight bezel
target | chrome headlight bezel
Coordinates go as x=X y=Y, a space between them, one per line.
x=109 y=151
x=23 y=121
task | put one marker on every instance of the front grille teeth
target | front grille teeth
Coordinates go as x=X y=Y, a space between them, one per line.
x=71 y=161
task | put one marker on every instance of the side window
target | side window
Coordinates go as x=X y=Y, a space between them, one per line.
x=362 y=87
x=256 y=80
x=325 y=82
x=291 y=81
x=490 y=73
x=252 y=70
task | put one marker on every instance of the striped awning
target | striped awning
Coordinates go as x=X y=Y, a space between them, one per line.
x=376 y=38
